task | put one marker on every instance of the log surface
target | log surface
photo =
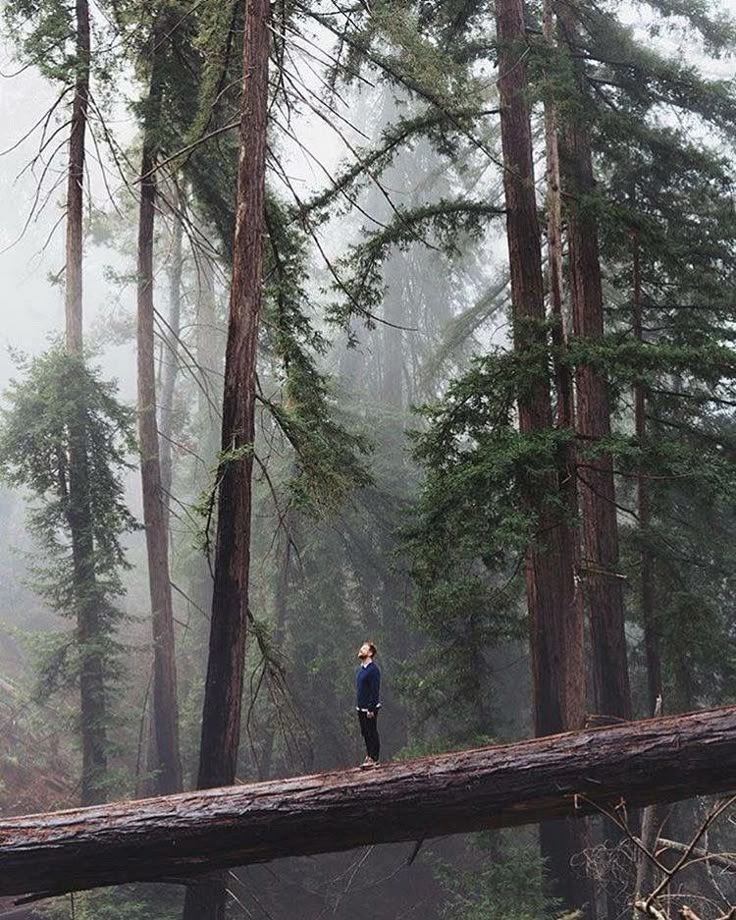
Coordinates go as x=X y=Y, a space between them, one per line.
x=173 y=838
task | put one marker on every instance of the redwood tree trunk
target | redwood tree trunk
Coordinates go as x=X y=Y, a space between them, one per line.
x=556 y=628
x=75 y=185
x=91 y=675
x=603 y=581
x=165 y=708
x=600 y=543
x=221 y=715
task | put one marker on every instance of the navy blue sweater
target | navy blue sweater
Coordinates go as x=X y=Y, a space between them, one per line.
x=368 y=686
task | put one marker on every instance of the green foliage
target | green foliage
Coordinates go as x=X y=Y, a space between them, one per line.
x=507 y=883
x=36 y=430
x=45 y=32
x=44 y=35
x=470 y=530
x=207 y=503
x=396 y=138
x=125 y=902
x=422 y=62
x=439 y=224
x=706 y=20
x=207 y=101
x=328 y=458
x=665 y=208
x=627 y=70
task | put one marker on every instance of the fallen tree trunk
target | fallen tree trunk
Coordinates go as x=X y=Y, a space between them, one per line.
x=173 y=838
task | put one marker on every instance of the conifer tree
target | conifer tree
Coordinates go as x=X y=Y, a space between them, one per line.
x=555 y=624
x=92 y=686
x=80 y=474
x=600 y=540
x=230 y=610
x=165 y=704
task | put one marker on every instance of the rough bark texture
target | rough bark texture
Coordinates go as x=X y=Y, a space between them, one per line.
x=91 y=674
x=75 y=185
x=557 y=647
x=556 y=626
x=165 y=707
x=221 y=715
x=93 y=721
x=171 y=838
x=593 y=418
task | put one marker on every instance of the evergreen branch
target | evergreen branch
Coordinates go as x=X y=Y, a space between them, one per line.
x=393 y=70
x=392 y=139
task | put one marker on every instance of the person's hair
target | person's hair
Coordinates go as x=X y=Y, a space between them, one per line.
x=371 y=646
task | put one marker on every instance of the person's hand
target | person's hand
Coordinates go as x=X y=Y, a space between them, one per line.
x=371 y=715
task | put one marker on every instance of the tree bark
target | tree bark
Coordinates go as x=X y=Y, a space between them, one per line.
x=165 y=707
x=91 y=674
x=75 y=185
x=556 y=627
x=563 y=375
x=600 y=542
x=570 y=775
x=221 y=716
x=650 y=824
x=593 y=423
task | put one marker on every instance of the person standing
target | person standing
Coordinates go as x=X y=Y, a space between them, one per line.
x=367 y=703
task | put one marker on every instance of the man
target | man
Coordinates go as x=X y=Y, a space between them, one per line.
x=368 y=685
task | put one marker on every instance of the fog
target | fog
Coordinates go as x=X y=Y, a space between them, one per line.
x=400 y=494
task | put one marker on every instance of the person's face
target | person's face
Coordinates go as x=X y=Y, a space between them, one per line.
x=364 y=651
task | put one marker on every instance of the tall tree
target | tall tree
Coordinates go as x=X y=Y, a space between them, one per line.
x=74 y=447
x=91 y=676
x=75 y=184
x=556 y=628
x=165 y=707
x=600 y=539
x=221 y=714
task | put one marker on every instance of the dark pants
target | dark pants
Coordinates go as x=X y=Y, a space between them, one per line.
x=369 y=731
